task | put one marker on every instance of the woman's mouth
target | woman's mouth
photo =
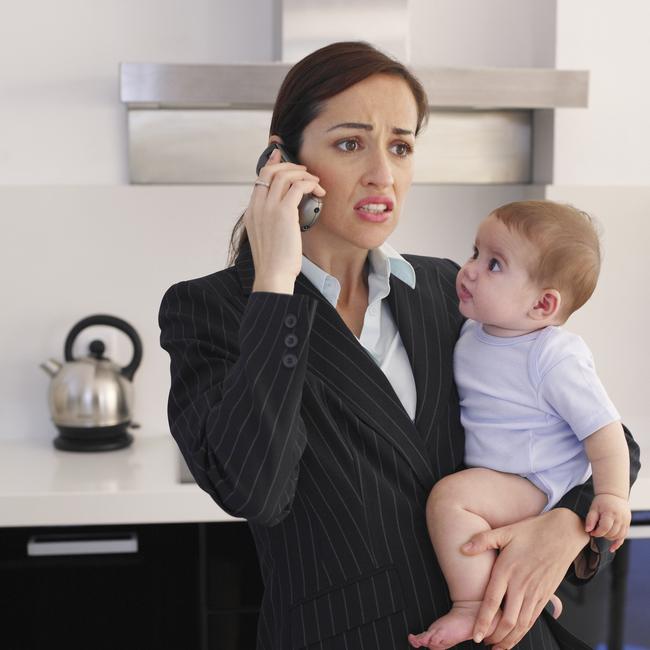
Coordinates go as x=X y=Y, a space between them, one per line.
x=374 y=208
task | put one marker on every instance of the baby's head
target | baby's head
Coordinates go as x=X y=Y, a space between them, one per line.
x=534 y=264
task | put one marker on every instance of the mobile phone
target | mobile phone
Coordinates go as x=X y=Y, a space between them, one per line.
x=310 y=206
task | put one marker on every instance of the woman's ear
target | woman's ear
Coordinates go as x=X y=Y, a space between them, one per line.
x=547 y=305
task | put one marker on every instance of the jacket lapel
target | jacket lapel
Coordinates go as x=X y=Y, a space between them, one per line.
x=421 y=315
x=342 y=363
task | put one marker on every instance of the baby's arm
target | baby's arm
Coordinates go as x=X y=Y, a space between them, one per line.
x=609 y=515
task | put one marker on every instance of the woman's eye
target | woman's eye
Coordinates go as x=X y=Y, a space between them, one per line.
x=494 y=265
x=402 y=149
x=348 y=145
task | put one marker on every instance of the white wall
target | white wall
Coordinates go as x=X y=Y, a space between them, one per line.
x=502 y=33
x=609 y=143
x=68 y=252
x=61 y=121
x=75 y=239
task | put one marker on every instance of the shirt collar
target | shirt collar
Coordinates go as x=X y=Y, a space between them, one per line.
x=383 y=261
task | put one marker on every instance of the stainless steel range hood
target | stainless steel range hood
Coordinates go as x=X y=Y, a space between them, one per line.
x=209 y=123
x=241 y=86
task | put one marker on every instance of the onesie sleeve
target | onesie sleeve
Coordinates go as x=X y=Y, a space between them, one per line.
x=571 y=388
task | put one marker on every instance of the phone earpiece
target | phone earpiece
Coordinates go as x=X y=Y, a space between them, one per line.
x=263 y=159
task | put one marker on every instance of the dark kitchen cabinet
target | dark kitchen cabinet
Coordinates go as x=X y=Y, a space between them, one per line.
x=233 y=587
x=167 y=586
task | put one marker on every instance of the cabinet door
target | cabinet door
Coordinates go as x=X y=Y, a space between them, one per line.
x=233 y=587
x=99 y=587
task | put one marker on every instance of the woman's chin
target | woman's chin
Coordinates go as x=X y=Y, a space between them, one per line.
x=375 y=235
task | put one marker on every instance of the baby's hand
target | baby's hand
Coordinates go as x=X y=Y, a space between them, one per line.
x=609 y=517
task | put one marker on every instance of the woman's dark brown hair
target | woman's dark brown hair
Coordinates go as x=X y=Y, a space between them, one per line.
x=319 y=76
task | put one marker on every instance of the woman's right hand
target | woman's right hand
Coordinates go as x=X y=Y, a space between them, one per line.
x=271 y=221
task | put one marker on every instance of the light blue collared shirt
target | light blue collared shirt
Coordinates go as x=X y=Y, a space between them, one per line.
x=379 y=334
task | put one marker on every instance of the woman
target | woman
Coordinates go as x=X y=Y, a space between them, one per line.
x=312 y=389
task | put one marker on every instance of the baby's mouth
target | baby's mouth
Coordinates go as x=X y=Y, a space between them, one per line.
x=464 y=293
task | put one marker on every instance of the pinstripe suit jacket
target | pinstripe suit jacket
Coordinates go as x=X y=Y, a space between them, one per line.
x=285 y=420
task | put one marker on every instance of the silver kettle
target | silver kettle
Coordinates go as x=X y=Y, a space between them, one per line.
x=91 y=398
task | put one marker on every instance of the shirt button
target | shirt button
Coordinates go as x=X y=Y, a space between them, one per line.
x=291 y=340
x=289 y=360
x=290 y=320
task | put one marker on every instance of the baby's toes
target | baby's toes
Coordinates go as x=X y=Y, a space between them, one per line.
x=420 y=640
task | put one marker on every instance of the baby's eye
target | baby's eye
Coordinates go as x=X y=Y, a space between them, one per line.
x=402 y=149
x=349 y=146
x=494 y=265
x=474 y=253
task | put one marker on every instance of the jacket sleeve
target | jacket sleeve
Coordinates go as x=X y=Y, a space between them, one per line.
x=236 y=391
x=596 y=555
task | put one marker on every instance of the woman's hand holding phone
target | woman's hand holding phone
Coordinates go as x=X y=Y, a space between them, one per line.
x=271 y=220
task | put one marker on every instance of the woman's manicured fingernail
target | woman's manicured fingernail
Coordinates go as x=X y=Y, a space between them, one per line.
x=478 y=638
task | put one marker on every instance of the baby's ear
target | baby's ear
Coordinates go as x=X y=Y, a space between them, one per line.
x=547 y=305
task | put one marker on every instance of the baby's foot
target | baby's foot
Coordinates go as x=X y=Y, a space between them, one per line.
x=452 y=628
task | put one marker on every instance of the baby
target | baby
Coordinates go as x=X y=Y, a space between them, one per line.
x=537 y=419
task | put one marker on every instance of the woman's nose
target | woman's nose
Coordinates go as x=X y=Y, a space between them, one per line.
x=379 y=172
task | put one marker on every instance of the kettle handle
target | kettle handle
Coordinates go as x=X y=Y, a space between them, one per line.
x=112 y=321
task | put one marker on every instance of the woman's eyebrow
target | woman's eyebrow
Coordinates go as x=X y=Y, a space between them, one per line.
x=366 y=127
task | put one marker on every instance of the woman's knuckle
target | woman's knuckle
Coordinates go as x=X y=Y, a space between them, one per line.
x=519 y=631
x=482 y=622
x=509 y=621
x=491 y=601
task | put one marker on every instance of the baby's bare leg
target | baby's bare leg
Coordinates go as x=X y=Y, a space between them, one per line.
x=461 y=505
x=469 y=502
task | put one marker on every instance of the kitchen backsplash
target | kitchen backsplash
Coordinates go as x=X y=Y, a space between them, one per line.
x=68 y=252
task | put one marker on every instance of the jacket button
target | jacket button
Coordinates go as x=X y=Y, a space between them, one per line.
x=290 y=320
x=291 y=340
x=289 y=360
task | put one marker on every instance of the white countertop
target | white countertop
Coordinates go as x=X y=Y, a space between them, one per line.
x=43 y=486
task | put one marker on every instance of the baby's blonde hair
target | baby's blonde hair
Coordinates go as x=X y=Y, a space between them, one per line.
x=568 y=248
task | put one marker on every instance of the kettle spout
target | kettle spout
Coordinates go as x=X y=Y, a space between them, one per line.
x=51 y=367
